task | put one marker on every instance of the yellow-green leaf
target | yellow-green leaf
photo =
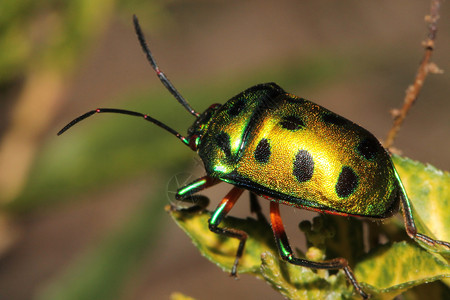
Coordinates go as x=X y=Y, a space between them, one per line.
x=392 y=269
x=222 y=250
x=180 y=296
x=295 y=282
x=429 y=191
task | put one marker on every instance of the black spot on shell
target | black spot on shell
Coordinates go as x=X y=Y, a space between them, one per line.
x=262 y=151
x=303 y=166
x=223 y=141
x=346 y=183
x=294 y=99
x=292 y=123
x=368 y=148
x=332 y=118
x=237 y=107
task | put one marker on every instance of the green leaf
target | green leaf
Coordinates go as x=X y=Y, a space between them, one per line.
x=302 y=283
x=393 y=268
x=180 y=296
x=429 y=191
x=222 y=250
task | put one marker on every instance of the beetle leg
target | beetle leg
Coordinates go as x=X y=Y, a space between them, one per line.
x=410 y=226
x=255 y=208
x=287 y=254
x=196 y=186
x=221 y=211
x=185 y=194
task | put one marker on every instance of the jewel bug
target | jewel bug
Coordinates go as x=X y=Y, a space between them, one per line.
x=290 y=151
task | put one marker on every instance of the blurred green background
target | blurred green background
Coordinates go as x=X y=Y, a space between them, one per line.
x=83 y=214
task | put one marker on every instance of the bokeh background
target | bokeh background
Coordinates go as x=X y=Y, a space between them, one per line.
x=83 y=214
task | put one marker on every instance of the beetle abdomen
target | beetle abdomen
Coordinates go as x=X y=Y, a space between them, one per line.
x=285 y=147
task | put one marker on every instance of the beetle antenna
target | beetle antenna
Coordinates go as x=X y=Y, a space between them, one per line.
x=169 y=86
x=125 y=112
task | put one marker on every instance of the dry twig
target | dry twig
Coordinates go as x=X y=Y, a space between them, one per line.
x=425 y=67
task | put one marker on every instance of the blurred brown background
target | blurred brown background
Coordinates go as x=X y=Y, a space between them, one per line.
x=83 y=213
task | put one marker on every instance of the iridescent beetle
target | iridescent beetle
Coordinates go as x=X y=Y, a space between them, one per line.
x=290 y=151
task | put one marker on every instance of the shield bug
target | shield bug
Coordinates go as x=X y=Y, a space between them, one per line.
x=290 y=151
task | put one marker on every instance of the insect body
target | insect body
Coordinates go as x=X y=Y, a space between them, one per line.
x=288 y=148
x=290 y=151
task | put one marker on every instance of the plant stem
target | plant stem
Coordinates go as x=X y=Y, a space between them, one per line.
x=412 y=92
